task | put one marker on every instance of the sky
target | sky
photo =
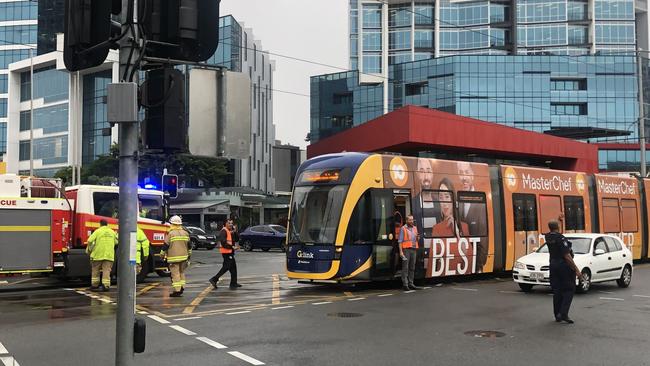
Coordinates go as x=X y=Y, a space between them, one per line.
x=313 y=30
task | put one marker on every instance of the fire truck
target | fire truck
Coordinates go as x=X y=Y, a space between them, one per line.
x=44 y=227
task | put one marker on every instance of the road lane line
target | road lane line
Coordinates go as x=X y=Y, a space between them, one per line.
x=276 y=290
x=464 y=289
x=190 y=318
x=148 y=288
x=511 y=292
x=3 y=350
x=9 y=361
x=239 y=312
x=197 y=301
x=384 y=295
x=182 y=330
x=143 y=312
x=246 y=358
x=409 y=291
x=643 y=296
x=158 y=319
x=426 y=288
x=612 y=298
x=357 y=299
x=104 y=300
x=4 y=282
x=606 y=292
x=322 y=303
x=282 y=307
x=212 y=343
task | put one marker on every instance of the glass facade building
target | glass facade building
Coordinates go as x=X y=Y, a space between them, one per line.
x=18 y=33
x=96 y=130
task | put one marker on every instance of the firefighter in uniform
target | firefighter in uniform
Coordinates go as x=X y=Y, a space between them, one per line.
x=142 y=249
x=227 y=250
x=101 y=247
x=177 y=247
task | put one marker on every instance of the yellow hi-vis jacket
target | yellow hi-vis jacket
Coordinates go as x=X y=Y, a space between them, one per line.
x=101 y=244
x=142 y=246
x=178 y=241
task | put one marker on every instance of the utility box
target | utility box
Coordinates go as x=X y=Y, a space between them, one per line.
x=220 y=114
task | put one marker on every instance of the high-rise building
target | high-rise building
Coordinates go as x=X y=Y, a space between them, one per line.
x=18 y=34
x=563 y=67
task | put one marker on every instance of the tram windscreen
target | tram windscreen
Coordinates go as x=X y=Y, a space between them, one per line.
x=315 y=214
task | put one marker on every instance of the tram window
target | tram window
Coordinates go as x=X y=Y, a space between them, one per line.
x=106 y=204
x=629 y=216
x=525 y=212
x=472 y=207
x=359 y=228
x=574 y=213
x=372 y=218
x=611 y=215
x=444 y=200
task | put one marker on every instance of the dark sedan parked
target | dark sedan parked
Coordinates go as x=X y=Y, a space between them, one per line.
x=200 y=239
x=264 y=237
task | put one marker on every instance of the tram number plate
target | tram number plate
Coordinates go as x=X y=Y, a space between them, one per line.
x=536 y=276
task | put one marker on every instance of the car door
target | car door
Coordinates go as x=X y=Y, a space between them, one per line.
x=601 y=262
x=257 y=236
x=618 y=257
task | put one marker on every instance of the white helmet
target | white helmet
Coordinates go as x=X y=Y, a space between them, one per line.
x=176 y=220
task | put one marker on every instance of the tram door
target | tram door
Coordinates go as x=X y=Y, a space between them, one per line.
x=550 y=208
x=401 y=209
x=526 y=226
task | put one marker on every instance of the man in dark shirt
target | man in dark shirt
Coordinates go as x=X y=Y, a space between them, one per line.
x=563 y=272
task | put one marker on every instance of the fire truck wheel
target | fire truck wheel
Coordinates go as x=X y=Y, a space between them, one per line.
x=163 y=273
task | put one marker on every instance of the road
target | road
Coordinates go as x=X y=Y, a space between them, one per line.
x=276 y=321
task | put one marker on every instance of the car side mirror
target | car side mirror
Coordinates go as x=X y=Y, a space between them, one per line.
x=599 y=251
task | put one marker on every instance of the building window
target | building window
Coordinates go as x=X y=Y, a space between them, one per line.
x=342 y=98
x=51 y=119
x=569 y=109
x=398 y=40
x=399 y=16
x=569 y=84
x=11 y=56
x=416 y=89
x=18 y=34
x=615 y=33
x=372 y=41
x=3 y=108
x=3 y=82
x=18 y=10
x=23 y=153
x=51 y=150
x=371 y=16
x=423 y=38
x=49 y=84
x=3 y=138
x=423 y=14
x=372 y=64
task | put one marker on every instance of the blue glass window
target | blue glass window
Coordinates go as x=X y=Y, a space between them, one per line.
x=614 y=9
x=561 y=109
x=399 y=16
x=371 y=16
x=3 y=108
x=577 y=35
x=423 y=14
x=18 y=34
x=399 y=57
x=10 y=56
x=498 y=13
x=18 y=10
x=464 y=14
x=51 y=119
x=372 y=41
x=576 y=10
x=3 y=138
x=3 y=83
x=50 y=84
x=372 y=64
x=544 y=35
x=615 y=33
x=423 y=38
x=568 y=84
x=399 y=40
x=539 y=11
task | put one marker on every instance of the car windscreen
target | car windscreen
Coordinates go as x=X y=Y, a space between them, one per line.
x=196 y=230
x=579 y=246
x=279 y=228
x=315 y=213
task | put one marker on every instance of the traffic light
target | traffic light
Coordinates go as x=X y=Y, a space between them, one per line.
x=164 y=126
x=88 y=29
x=170 y=185
x=181 y=29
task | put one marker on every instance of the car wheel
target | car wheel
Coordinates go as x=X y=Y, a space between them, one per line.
x=248 y=246
x=585 y=282
x=266 y=249
x=525 y=287
x=626 y=277
x=163 y=273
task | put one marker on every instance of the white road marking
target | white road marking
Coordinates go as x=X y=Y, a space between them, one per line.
x=239 y=312
x=190 y=318
x=282 y=307
x=243 y=357
x=142 y=312
x=644 y=296
x=409 y=291
x=104 y=300
x=606 y=292
x=182 y=330
x=384 y=295
x=158 y=319
x=463 y=289
x=439 y=285
x=322 y=303
x=612 y=298
x=4 y=282
x=426 y=288
x=357 y=299
x=9 y=361
x=3 y=350
x=212 y=343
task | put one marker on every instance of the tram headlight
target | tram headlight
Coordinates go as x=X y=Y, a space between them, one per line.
x=520 y=265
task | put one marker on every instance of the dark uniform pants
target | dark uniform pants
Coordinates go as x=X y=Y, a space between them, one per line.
x=564 y=286
x=229 y=265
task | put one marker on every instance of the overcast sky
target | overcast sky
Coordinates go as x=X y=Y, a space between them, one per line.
x=314 y=30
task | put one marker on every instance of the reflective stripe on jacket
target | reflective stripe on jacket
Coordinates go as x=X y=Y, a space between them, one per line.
x=178 y=241
x=101 y=244
x=408 y=240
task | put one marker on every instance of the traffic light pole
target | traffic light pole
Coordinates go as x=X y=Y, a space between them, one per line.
x=128 y=141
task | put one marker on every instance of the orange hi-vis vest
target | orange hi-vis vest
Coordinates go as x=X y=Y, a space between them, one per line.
x=228 y=241
x=410 y=241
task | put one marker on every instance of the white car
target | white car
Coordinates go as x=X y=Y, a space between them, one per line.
x=600 y=257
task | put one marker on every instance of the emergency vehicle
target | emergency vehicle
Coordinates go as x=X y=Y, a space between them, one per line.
x=44 y=227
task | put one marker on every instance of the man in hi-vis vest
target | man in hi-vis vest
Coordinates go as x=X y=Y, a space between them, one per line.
x=408 y=251
x=227 y=250
x=177 y=242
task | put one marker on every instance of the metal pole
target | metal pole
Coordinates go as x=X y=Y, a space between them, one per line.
x=221 y=112
x=642 y=141
x=31 y=112
x=128 y=181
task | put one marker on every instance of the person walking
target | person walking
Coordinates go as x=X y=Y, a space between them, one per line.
x=408 y=251
x=227 y=249
x=177 y=247
x=563 y=272
x=101 y=247
x=142 y=249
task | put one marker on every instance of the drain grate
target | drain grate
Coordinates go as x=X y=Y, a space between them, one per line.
x=484 y=334
x=345 y=315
